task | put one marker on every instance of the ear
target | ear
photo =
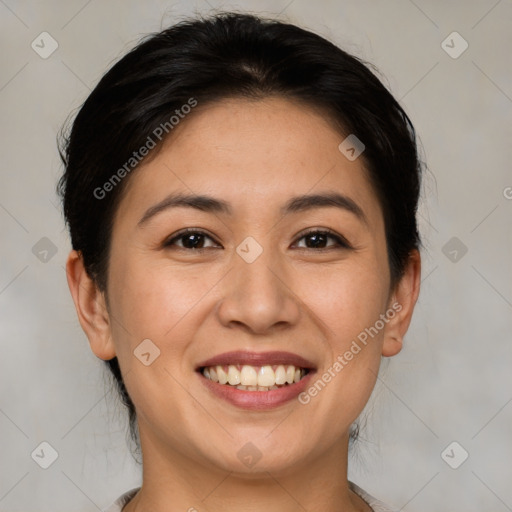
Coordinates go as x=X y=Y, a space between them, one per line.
x=402 y=302
x=90 y=306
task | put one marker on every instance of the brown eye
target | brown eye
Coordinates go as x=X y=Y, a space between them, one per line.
x=318 y=239
x=192 y=239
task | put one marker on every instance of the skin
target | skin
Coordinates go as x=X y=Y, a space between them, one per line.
x=293 y=297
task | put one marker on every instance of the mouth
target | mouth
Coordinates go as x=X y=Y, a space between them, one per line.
x=256 y=380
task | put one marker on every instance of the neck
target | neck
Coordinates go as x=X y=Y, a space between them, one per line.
x=172 y=482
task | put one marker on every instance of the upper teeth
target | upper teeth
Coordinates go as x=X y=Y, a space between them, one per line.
x=263 y=376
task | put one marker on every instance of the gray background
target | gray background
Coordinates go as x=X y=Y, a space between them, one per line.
x=452 y=382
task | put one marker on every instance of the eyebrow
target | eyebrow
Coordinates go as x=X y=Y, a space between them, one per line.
x=296 y=204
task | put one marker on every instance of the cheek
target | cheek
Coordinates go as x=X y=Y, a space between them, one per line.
x=346 y=305
x=152 y=299
x=347 y=298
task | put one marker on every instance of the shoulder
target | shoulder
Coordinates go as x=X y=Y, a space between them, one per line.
x=118 y=505
x=375 y=504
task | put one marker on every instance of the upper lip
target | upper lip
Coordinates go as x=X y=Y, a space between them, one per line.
x=257 y=359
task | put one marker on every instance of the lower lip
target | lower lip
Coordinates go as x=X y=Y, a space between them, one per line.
x=257 y=400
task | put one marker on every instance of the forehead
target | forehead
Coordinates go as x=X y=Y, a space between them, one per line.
x=252 y=153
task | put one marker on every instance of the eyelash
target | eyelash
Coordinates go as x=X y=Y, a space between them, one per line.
x=340 y=241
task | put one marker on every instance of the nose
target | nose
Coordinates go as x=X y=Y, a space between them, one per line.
x=258 y=296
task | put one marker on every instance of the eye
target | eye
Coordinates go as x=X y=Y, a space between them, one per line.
x=319 y=237
x=194 y=239
x=190 y=238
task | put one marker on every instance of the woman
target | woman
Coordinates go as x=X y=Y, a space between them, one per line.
x=241 y=196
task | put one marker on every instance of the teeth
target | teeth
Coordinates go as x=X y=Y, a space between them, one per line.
x=280 y=374
x=248 y=376
x=223 y=376
x=233 y=375
x=266 y=376
x=255 y=378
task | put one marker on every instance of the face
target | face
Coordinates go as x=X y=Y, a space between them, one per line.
x=261 y=271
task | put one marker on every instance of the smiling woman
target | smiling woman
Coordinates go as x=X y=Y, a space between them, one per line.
x=244 y=280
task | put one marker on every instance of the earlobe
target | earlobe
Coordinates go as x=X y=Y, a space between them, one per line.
x=391 y=346
x=90 y=306
x=402 y=302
